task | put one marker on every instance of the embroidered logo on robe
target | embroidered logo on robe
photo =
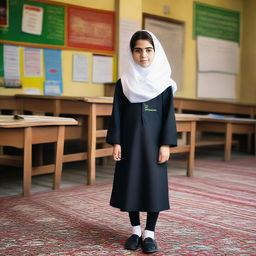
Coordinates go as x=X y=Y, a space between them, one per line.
x=148 y=108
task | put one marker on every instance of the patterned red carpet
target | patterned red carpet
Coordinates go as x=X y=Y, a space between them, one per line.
x=213 y=213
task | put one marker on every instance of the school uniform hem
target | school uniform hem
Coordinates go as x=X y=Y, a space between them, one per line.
x=139 y=209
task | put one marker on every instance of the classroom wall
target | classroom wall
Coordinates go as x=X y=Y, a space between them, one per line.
x=71 y=88
x=183 y=10
x=248 y=55
x=76 y=88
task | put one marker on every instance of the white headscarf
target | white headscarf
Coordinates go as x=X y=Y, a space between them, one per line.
x=141 y=84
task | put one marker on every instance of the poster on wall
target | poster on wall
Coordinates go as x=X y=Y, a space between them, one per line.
x=216 y=55
x=33 y=62
x=90 y=29
x=4 y=13
x=80 y=68
x=53 y=72
x=12 y=66
x=32 y=19
x=102 y=69
x=216 y=85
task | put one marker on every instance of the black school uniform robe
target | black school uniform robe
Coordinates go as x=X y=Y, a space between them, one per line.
x=140 y=183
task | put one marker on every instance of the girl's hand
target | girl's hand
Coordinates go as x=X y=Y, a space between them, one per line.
x=117 y=152
x=164 y=154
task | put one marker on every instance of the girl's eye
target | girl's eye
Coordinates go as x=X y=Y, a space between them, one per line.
x=137 y=50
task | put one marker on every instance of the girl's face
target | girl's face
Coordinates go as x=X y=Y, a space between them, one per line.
x=143 y=53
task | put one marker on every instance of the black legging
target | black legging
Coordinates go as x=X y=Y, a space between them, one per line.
x=151 y=219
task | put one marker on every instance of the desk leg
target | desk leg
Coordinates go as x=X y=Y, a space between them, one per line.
x=59 y=157
x=228 y=142
x=91 y=144
x=191 y=155
x=249 y=143
x=255 y=139
x=27 y=161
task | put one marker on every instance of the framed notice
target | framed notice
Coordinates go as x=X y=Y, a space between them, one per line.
x=91 y=29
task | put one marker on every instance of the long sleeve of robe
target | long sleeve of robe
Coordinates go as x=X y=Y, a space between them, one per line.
x=168 y=128
x=140 y=182
x=113 y=135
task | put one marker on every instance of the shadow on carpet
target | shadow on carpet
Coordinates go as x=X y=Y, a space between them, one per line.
x=212 y=213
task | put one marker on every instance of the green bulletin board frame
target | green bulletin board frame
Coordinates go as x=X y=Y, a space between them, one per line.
x=53 y=33
x=1 y=60
x=211 y=21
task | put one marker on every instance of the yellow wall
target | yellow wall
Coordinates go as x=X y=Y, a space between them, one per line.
x=71 y=88
x=108 y=5
x=130 y=9
x=248 y=63
x=183 y=10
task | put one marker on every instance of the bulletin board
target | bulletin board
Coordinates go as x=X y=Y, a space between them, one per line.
x=51 y=31
x=1 y=61
x=217 y=31
x=216 y=22
x=53 y=25
x=58 y=32
x=90 y=29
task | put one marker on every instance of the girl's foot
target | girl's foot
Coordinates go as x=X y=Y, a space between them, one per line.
x=149 y=245
x=133 y=242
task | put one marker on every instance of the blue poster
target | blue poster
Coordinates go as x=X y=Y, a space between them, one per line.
x=53 y=72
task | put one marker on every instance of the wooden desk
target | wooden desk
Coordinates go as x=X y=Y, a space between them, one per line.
x=214 y=106
x=8 y=103
x=89 y=108
x=187 y=123
x=193 y=106
x=93 y=108
x=228 y=126
x=34 y=130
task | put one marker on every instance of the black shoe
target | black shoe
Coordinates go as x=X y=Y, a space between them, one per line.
x=149 y=245
x=133 y=242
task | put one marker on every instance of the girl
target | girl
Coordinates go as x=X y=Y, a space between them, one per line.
x=142 y=128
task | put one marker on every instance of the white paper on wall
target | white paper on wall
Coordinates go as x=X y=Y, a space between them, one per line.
x=32 y=19
x=80 y=68
x=33 y=62
x=102 y=69
x=216 y=85
x=217 y=55
x=11 y=62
